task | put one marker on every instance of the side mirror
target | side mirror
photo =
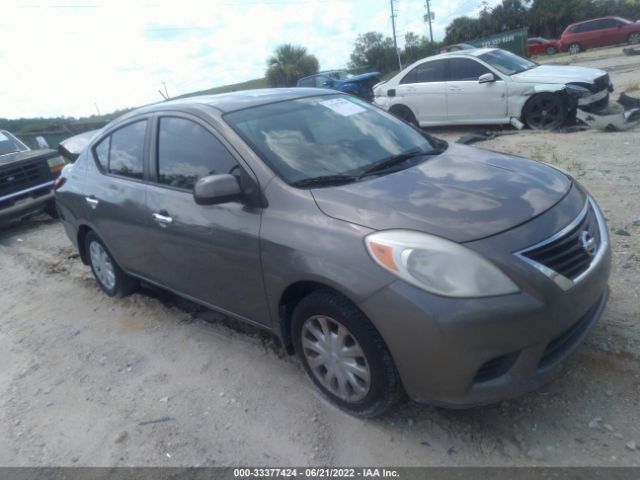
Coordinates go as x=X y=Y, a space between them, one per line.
x=487 y=78
x=216 y=189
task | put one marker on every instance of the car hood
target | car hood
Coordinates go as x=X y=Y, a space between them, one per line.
x=464 y=194
x=27 y=155
x=558 y=74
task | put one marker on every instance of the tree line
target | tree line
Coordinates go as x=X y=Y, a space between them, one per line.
x=545 y=18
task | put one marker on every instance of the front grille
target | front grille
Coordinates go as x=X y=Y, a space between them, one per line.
x=601 y=83
x=567 y=254
x=494 y=368
x=17 y=177
x=562 y=345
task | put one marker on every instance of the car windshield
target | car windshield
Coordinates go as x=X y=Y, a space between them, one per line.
x=327 y=136
x=10 y=144
x=507 y=62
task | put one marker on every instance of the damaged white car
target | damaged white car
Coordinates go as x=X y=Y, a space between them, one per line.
x=491 y=86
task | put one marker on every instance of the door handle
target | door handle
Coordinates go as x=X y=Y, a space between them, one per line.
x=92 y=201
x=162 y=220
x=453 y=88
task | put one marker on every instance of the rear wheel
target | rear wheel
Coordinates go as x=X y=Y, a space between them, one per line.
x=634 y=38
x=112 y=280
x=344 y=355
x=404 y=113
x=575 y=48
x=545 y=111
x=552 y=50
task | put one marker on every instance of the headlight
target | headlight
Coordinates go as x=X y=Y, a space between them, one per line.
x=578 y=91
x=437 y=265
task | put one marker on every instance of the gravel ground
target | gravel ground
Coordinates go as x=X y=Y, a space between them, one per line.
x=154 y=380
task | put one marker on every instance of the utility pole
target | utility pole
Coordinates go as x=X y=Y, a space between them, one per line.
x=429 y=19
x=393 y=26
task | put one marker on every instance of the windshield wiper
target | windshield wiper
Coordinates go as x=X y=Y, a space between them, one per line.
x=375 y=169
x=325 y=180
x=396 y=160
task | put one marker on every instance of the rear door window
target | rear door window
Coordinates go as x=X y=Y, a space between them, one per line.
x=126 y=153
x=427 y=72
x=187 y=151
x=122 y=152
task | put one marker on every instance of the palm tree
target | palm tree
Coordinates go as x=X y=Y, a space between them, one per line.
x=288 y=64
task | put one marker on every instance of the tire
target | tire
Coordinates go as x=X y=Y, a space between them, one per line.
x=575 y=48
x=369 y=366
x=545 y=111
x=634 y=38
x=404 y=113
x=552 y=50
x=110 y=277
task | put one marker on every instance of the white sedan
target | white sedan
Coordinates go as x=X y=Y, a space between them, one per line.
x=491 y=86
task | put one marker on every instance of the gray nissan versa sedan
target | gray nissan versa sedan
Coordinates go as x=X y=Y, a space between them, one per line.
x=388 y=260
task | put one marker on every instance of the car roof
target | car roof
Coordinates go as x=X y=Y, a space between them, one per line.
x=232 y=101
x=597 y=18
x=476 y=52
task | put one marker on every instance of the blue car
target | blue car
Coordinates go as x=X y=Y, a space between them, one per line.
x=359 y=85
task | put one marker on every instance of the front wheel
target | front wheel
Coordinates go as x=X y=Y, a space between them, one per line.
x=575 y=48
x=545 y=111
x=552 y=50
x=344 y=355
x=634 y=38
x=111 y=278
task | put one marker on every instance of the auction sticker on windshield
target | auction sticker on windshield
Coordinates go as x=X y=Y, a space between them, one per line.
x=342 y=106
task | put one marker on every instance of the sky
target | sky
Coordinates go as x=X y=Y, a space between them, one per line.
x=81 y=57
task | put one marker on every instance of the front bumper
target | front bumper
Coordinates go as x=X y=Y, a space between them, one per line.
x=25 y=202
x=466 y=352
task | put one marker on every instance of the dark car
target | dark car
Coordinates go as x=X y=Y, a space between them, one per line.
x=389 y=260
x=359 y=85
x=26 y=178
x=599 y=32
x=542 y=46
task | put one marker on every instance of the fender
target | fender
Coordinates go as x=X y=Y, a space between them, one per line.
x=520 y=93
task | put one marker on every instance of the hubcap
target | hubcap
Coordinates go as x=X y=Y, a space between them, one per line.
x=335 y=358
x=102 y=265
x=544 y=114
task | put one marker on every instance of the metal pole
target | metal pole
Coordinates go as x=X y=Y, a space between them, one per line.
x=393 y=26
x=429 y=19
